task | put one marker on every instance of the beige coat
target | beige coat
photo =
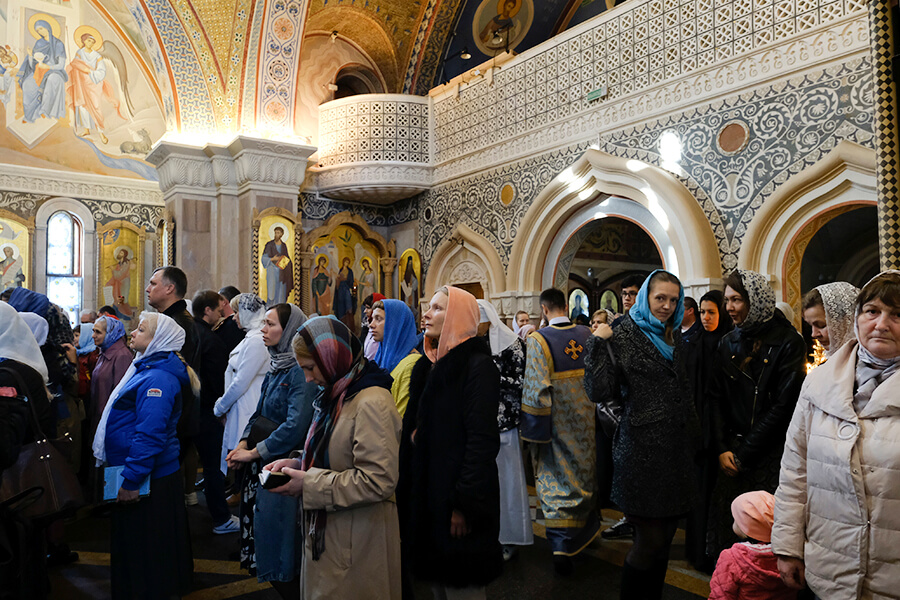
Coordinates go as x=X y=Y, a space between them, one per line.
x=838 y=502
x=362 y=536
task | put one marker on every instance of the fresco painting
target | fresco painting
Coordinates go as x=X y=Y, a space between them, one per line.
x=15 y=259
x=121 y=272
x=410 y=264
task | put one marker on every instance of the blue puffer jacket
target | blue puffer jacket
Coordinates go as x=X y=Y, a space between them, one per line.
x=140 y=432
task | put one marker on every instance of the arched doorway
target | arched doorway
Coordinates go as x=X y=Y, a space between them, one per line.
x=596 y=259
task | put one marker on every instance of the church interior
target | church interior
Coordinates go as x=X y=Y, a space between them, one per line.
x=319 y=151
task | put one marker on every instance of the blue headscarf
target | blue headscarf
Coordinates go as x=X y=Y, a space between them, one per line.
x=399 y=335
x=86 y=340
x=114 y=332
x=652 y=327
x=25 y=300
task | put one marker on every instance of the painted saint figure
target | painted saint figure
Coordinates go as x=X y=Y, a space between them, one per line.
x=8 y=70
x=409 y=287
x=88 y=83
x=121 y=276
x=11 y=273
x=279 y=269
x=366 y=282
x=321 y=287
x=43 y=76
x=343 y=300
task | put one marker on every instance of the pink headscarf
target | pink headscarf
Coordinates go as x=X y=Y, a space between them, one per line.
x=753 y=512
x=460 y=323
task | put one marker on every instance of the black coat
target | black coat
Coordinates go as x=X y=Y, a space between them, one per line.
x=655 y=444
x=213 y=364
x=452 y=466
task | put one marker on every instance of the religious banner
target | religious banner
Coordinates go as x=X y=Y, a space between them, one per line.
x=120 y=279
x=15 y=251
x=410 y=265
x=275 y=252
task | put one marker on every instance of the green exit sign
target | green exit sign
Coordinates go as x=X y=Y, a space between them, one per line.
x=600 y=92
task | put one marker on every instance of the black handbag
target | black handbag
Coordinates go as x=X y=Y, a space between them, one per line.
x=41 y=465
x=610 y=413
x=261 y=429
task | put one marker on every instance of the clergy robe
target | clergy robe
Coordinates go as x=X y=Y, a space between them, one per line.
x=558 y=421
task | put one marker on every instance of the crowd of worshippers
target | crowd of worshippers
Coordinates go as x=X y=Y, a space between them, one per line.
x=355 y=466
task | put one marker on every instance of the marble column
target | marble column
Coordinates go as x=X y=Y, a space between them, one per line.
x=212 y=191
x=887 y=130
x=387 y=268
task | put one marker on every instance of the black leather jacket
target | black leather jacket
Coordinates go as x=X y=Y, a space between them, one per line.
x=752 y=406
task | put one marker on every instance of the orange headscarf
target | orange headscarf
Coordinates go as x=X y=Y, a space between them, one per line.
x=460 y=323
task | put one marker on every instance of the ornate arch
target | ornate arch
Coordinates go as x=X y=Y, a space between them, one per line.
x=660 y=203
x=89 y=256
x=801 y=206
x=466 y=257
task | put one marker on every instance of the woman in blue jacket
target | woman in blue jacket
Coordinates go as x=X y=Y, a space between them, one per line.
x=150 y=550
x=271 y=544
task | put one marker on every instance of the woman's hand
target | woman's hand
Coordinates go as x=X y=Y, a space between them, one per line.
x=458 y=527
x=727 y=464
x=295 y=486
x=241 y=455
x=603 y=331
x=792 y=571
x=278 y=465
x=128 y=496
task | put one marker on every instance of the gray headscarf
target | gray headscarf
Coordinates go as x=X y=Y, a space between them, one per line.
x=282 y=354
x=761 y=299
x=839 y=302
x=871 y=371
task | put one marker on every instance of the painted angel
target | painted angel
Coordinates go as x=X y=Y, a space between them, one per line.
x=93 y=77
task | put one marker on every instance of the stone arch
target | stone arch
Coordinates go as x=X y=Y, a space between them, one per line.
x=788 y=219
x=466 y=257
x=89 y=249
x=636 y=190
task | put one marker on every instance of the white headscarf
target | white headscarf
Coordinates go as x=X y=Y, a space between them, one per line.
x=169 y=337
x=501 y=336
x=251 y=312
x=38 y=326
x=17 y=342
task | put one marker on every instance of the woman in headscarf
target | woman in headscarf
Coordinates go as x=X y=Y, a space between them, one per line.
x=836 y=504
x=248 y=364
x=112 y=363
x=701 y=359
x=370 y=346
x=828 y=310
x=508 y=352
x=349 y=471
x=393 y=326
x=150 y=541
x=38 y=326
x=449 y=485
x=87 y=353
x=760 y=366
x=640 y=367
x=270 y=542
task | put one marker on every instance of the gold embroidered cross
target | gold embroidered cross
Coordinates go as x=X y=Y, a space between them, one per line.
x=574 y=349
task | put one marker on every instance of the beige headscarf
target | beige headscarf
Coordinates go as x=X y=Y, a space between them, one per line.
x=460 y=323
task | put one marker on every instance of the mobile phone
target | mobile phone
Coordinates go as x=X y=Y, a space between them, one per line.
x=275 y=480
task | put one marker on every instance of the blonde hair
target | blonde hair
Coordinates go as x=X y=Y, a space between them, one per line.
x=151 y=319
x=601 y=313
x=301 y=350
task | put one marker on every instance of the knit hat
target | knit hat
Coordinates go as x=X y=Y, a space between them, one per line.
x=754 y=514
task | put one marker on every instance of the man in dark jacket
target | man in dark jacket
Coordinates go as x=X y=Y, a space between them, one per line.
x=227 y=328
x=208 y=309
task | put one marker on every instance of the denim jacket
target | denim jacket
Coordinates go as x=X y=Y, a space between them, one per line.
x=287 y=399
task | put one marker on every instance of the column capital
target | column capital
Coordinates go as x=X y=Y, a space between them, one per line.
x=306 y=259
x=388 y=264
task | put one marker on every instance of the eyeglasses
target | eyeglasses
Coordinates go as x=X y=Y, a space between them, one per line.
x=629 y=294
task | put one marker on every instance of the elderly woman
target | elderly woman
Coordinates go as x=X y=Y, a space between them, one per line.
x=270 y=542
x=150 y=544
x=639 y=366
x=112 y=363
x=349 y=470
x=828 y=310
x=248 y=364
x=836 y=522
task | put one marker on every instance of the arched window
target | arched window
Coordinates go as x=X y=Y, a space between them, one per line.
x=64 y=263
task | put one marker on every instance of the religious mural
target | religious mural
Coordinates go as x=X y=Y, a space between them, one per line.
x=276 y=275
x=121 y=278
x=73 y=93
x=15 y=248
x=411 y=280
x=500 y=25
x=345 y=271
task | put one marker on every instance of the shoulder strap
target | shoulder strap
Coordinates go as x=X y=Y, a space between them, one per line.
x=23 y=391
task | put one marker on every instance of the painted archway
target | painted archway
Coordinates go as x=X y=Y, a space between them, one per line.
x=640 y=192
x=773 y=244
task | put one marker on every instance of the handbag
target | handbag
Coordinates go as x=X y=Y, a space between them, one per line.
x=41 y=465
x=610 y=413
x=260 y=430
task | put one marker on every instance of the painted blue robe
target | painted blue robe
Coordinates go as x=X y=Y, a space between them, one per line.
x=49 y=97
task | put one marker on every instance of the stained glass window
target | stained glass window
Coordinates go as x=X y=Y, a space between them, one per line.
x=64 y=280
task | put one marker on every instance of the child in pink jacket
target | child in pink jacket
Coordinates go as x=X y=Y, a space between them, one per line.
x=748 y=570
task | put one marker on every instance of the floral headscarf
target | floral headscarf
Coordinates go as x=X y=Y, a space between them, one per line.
x=761 y=299
x=251 y=312
x=839 y=302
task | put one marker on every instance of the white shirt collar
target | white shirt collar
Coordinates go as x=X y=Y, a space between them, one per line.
x=559 y=321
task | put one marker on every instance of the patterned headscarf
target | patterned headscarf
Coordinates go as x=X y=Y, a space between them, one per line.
x=251 y=312
x=115 y=331
x=460 y=323
x=649 y=325
x=761 y=299
x=282 y=355
x=839 y=302
x=399 y=335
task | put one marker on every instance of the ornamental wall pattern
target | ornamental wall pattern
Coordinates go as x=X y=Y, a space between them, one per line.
x=144 y=216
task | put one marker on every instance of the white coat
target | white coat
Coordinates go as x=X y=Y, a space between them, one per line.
x=837 y=506
x=248 y=364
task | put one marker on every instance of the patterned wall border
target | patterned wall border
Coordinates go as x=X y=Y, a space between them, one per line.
x=277 y=88
x=320 y=208
x=142 y=216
